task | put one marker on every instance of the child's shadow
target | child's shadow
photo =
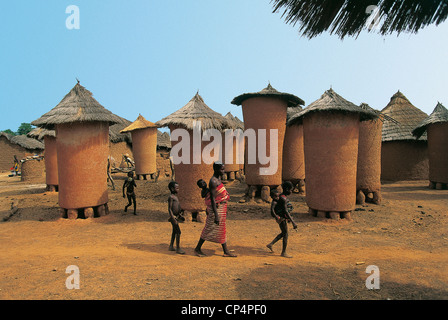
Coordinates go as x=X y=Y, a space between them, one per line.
x=161 y=248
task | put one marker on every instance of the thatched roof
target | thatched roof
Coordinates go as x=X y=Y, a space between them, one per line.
x=350 y=17
x=77 y=106
x=163 y=140
x=269 y=91
x=140 y=123
x=115 y=134
x=195 y=110
x=24 y=141
x=407 y=115
x=440 y=114
x=39 y=133
x=382 y=116
x=330 y=101
x=234 y=121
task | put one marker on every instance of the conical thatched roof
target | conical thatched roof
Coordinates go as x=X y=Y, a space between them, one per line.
x=234 y=121
x=39 y=133
x=195 y=110
x=27 y=142
x=407 y=115
x=140 y=123
x=269 y=91
x=163 y=140
x=382 y=116
x=115 y=134
x=290 y=112
x=77 y=106
x=330 y=101
x=440 y=114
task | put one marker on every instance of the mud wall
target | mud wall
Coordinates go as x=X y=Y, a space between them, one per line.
x=404 y=160
x=33 y=171
x=51 y=161
x=438 y=152
x=8 y=150
x=82 y=150
x=331 y=154
x=293 y=154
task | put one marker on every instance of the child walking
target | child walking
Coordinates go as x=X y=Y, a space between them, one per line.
x=175 y=212
x=280 y=210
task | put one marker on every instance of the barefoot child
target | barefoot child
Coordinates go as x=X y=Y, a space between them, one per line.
x=129 y=184
x=280 y=210
x=175 y=211
x=203 y=185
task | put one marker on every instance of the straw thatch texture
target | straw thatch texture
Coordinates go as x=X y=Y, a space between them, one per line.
x=349 y=17
x=234 y=121
x=115 y=134
x=407 y=115
x=332 y=102
x=195 y=110
x=27 y=143
x=77 y=106
x=269 y=91
x=163 y=140
x=140 y=123
x=440 y=114
x=39 y=133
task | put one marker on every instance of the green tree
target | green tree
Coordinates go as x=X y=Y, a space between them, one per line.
x=24 y=128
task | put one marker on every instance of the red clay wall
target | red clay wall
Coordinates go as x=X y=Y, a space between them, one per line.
x=369 y=156
x=265 y=113
x=51 y=161
x=144 y=147
x=404 y=160
x=117 y=150
x=293 y=154
x=8 y=150
x=187 y=175
x=33 y=171
x=438 y=152
x=82 y=150
x=331 y=153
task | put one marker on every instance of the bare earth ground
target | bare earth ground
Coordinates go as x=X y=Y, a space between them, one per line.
x=122 y=256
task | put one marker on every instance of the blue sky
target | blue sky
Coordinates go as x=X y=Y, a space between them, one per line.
x=151 y=57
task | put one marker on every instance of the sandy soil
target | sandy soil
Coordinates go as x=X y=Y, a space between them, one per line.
x=122 y=256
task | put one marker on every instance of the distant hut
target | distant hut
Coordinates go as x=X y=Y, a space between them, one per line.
x=266 y=110
x=187 y=174
x=120 y=143
x=368 y=175
x=20 y=146
x=402 y=157
x=293 y=153
x=144 y=146
x=82 y=131
x=51 y=156
x=233 y=168
x=436 y=127
x=331 y=137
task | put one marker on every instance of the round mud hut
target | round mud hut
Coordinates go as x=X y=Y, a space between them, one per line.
x=436 y=128
x=402 y=156
x=265 y=111
x=330 y=138
x=293 y=167
x=82 y=131
x=235 y=165
x=188 y=168
x=144 y=147
x=120 y=144
x=50 y=156
x=368 y=174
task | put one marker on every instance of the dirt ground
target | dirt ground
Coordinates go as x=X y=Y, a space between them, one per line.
x=122 y=256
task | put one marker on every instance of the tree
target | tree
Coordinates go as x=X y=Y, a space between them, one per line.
x=24 y=128
x=9 y=131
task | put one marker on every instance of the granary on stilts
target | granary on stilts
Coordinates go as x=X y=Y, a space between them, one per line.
x=331 y=137
x=189 y=166
x=436 y=128
x=82 y=141
x=368 y=174
x=234 y=158
x=293 y=168
x=265 y=111
x=50 y=156
x=403 y=157
x=144 y=147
